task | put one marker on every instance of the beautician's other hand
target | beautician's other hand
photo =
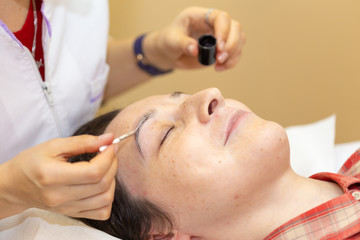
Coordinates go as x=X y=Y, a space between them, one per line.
x=41 y=177
x=176 y=45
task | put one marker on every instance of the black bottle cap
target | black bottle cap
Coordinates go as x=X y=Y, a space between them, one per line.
x=207 y=49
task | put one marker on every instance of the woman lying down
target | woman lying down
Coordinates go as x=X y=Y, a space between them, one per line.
x=204 y=167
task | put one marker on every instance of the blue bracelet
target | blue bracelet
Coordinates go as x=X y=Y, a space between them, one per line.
x=141 y=60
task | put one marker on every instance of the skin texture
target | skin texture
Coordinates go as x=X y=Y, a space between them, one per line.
x=200 y=165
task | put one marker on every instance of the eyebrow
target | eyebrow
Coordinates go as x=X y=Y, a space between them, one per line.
x=176 y=94
x=144 y=118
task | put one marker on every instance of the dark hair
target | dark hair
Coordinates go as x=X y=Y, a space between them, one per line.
x=131 y=218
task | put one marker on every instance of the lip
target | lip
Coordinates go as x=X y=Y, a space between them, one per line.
x=233 y=122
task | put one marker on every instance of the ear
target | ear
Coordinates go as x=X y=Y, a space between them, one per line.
x=181 y=236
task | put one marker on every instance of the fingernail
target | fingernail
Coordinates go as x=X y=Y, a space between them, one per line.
x=191 y=49
x=105 y=136
x=223 y=57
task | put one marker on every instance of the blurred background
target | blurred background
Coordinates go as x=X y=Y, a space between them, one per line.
x=300 y=62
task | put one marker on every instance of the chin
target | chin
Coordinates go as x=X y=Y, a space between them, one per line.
x=270 y=142
x=276 y=134
x=277 y=145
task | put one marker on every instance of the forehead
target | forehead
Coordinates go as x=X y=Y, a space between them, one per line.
x=127 y=119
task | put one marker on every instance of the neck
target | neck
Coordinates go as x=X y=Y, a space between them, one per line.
x=13 y=13
x=272 y=205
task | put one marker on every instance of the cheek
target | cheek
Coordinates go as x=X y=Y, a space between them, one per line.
x=191 y=171
x=186 y=181
x=265 y=151
x=189 y=156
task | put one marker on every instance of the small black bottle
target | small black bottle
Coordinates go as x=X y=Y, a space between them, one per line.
x=207 y=49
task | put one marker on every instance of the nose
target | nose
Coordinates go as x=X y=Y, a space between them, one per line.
x=203 y=104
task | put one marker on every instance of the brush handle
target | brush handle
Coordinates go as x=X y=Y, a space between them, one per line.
x=116 y=140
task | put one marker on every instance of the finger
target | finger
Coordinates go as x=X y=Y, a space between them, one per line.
x=221 y=22
x=188 y=62
x=94 y=170
x=95 y=207
x=234 y=44
x=97 y=201
x=84 y=172
x=228 y=64
x=189 y=46
x=184 y=43
x=87 y=190
x=78 y=144
x=236 y=38
x=63 y=198
x=102 y=213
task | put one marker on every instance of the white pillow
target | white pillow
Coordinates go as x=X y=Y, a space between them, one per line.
x=343 y=151
x=312 y=147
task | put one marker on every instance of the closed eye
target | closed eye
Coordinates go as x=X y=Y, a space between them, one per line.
x=167 y=134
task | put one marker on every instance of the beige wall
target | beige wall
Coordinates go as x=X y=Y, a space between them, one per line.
x=300 y=62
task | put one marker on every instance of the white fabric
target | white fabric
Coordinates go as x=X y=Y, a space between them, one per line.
x=312 y=147
x=343 y=152
x=75 y=42
x=36 y=224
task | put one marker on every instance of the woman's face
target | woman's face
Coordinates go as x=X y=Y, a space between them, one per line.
x=201 y=157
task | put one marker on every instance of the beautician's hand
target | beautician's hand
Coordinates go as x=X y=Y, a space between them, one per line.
x=41 y=177
x=176 y=45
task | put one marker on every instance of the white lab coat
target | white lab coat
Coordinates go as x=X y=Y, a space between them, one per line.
x=74 y=38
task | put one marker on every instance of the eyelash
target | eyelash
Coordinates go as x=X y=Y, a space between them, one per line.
x=166 y=135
